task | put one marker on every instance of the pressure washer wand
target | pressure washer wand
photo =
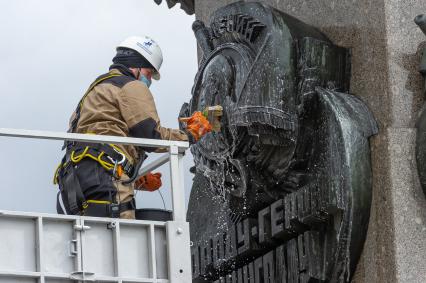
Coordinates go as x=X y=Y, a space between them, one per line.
x=213 y=114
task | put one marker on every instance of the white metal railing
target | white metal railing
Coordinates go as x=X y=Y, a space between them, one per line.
x=174 y=156
x=177 y=231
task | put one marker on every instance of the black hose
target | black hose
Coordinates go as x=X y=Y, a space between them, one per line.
x=135 y=171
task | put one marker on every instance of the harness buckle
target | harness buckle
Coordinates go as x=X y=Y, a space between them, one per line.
x=115 y=210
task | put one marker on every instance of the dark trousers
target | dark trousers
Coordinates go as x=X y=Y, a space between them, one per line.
x=94 y=185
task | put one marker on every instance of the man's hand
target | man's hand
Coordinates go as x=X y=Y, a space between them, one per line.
x=149 y=182
x=197 y=125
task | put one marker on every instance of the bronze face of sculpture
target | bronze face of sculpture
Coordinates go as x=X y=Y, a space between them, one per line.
x=283 y=192
x=421 y=123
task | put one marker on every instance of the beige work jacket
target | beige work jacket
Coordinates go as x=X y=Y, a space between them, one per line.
x=123 y=106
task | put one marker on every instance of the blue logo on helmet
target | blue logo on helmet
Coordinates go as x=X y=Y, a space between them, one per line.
x=145 y=46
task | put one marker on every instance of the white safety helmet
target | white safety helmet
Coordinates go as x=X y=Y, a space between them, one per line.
x=148 y=48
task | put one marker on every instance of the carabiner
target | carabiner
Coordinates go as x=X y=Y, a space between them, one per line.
x=123 y=157
x=115 y=168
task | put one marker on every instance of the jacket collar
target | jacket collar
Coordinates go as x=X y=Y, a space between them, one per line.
x=120 y=68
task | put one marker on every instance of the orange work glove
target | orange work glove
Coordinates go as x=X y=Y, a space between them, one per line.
x=197 y=125
x=149 y=182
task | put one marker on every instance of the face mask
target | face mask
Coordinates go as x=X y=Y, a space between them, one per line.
x=145 y=80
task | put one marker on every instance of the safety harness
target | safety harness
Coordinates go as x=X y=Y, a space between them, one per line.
x=100 y=79
x=109 y=156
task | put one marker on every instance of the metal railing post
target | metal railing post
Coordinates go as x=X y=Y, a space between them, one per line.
x=178 y=238
x=178 y=192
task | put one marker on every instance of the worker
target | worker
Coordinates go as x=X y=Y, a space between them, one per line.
x=95 y=179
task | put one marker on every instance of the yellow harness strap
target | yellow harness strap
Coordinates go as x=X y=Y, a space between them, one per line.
x=95 y=83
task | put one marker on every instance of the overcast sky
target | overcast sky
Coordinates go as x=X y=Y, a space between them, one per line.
x=50 y=52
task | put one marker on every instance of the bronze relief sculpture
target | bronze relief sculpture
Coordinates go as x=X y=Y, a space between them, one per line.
x=186 y=5
x=283 y=192
x=421 y=122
